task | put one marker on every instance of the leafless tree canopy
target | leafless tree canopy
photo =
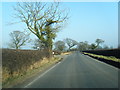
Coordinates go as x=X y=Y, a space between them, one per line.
x=38 y=44
x=18 y=39
x=38 y=15
x=42 y=19
x=71 y=43
x=99 y=41
x=60 y=46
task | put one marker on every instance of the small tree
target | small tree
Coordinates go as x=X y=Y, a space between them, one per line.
x=18 y=39
x=96 y=45
x=93 y=46
x=98 y=42
x=60 y=46
x=38 y=44
x=83 y=46
x=70 y=42
x=106 y=47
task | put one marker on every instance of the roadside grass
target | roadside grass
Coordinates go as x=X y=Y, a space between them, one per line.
x=66 y=53
x=112 y=58
x=39 y=66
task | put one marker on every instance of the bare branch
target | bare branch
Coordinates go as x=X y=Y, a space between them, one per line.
x=18 y=39
x=42 y=17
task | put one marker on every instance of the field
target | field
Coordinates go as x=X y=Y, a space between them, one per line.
x=111 y=56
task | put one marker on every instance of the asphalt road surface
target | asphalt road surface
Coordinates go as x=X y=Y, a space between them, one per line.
x=77 y=71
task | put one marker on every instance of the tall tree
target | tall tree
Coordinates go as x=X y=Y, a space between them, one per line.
x=70 y=42
x=42 y=19
x=18 y=39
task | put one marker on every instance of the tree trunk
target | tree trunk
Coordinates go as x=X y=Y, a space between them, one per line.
x=49 y=41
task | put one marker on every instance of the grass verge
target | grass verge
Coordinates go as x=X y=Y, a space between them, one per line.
x=112 y=58
x=32 y=70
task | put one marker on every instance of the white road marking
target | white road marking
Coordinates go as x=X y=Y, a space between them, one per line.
x=101 y=62
x=41 y=75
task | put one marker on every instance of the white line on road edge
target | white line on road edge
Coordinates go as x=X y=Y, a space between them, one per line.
x=101 y=62
x=41 y=75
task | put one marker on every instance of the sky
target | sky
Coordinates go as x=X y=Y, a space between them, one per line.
x=88 y=21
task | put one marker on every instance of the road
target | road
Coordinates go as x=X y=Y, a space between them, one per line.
x=77 y=71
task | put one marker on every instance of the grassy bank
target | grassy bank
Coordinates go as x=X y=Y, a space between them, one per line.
x=105 y=52
x=111 y=58
x=32 y=70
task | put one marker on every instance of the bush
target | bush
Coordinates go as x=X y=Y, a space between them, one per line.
x=18 y=61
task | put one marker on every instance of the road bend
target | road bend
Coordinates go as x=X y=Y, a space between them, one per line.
x=77 y=71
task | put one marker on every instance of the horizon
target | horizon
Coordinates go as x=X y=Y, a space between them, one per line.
x=88 y=21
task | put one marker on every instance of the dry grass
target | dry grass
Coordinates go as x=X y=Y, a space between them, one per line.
x=16 y=63
x=66 y=53
x=112 y=58
x=40 y=65
x=107 y=52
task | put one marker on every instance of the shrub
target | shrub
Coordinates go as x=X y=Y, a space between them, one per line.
x=16 y=62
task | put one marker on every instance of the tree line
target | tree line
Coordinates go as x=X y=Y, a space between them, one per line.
x=19 y=39
x=72 y=45
x=44 y=20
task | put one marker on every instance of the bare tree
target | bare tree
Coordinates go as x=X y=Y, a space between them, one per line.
x=38 y=44
x=96 y=45
x=106 y=47
x=42 y=19
x=18 y=39
x=93 y=46
x=70 y=42
x=83 y=46
x=60 y=46
x=98 y=42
